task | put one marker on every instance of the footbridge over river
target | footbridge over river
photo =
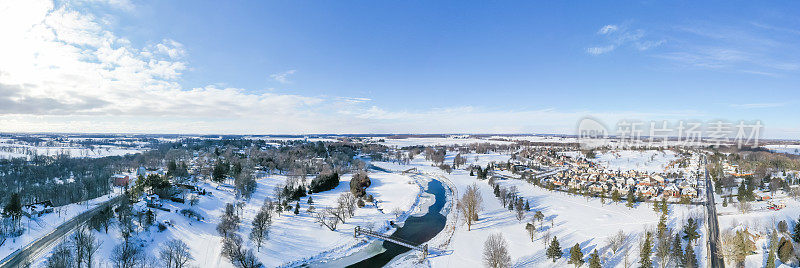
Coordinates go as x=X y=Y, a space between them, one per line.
x=419 y=247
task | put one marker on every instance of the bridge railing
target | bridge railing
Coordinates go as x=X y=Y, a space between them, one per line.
x=399 y=241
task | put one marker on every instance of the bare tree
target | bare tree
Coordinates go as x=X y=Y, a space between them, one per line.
x=175 y=254
x=744 y=206
x=531 y=228
x=520 y=209
x=61 y=257
x=736 y=245
x=616 y=241
x=90 y=248
x=503 y=196
x=397 y=212
x=229 y=222
x=347 y=201
x=546 y=238
x=85 y=245
x=495 y=251
x=233 y=249
x=261 y=224
x=78 y=241
x=340 y=212
x=663 y=252
x=127 y=255
x=626 y=260
x=327 y=218
x=470 y=204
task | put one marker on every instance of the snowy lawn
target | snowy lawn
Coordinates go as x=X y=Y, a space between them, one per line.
x=759 y=221
x=291 y=238
x=575 y=219
x=646 y=161
x=400 y=143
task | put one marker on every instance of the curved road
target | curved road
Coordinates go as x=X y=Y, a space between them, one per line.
x=35 y=249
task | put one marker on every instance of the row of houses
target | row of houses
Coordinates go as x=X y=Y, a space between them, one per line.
x=583 y=175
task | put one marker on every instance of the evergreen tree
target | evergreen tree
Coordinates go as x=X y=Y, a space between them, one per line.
x=742 y=196
x=497 y=190
x=594 y=260
x=554 y=251
x=615 y=196
x=644 y=252
x=310 y=201
x=13 y=208
x=796 y=233
x=150 y=218
x=575 y=255
x=785 y=250
x=677 y=250
x=773 y=246
x=218 y=174
x=297 y=208
x=689 y=259
x=539 y=216
x=527 y=206
x=690 y=230
x=631 y=199
x=662 y=225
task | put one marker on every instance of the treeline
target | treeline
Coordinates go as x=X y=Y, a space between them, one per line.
x=64 y=180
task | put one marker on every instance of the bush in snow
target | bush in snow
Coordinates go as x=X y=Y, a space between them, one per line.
x=359 y=184
x=189 y=213
x=324 y=182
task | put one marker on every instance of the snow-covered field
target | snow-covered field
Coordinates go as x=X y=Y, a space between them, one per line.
x=400 y=143
x=647 y=161
x=759 y=221
x=784 y=149
x=291 y=238
x=550 y=139
x=17 y=150
x=575 y=219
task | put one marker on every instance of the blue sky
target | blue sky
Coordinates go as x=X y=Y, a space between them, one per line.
x=446 y=66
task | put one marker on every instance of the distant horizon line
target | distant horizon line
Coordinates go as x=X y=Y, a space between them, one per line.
x=342 y=135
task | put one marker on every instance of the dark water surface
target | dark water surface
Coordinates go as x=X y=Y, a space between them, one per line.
x=416 y=229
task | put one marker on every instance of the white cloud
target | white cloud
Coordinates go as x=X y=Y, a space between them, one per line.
x=600 y=50
x=753 y=49
x=354 y=100
x=63 y=71
x=171 y=48
x=59 y=62
x=758 y=105
x=615 y=36
x=608 y=29
x=645 y=45
x=282 y=77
